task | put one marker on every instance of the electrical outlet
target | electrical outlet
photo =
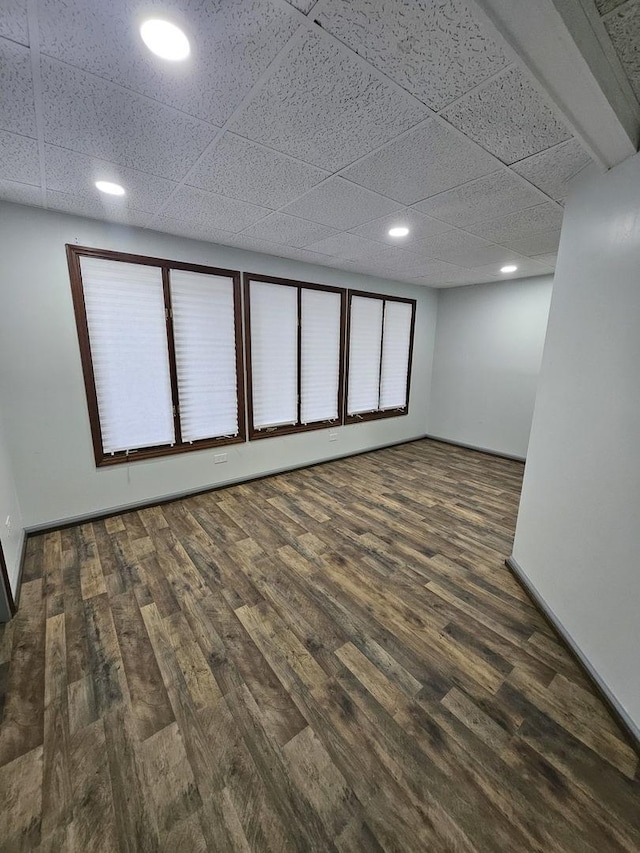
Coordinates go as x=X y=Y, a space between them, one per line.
x=219 y=458
x=8 y=523
x=333 y=436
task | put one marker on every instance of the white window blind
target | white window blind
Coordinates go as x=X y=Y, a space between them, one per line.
x=128 y=337
x=205 y=348
x=396 y=341
x=365 y=340
x=274 y=354
x=320 y=355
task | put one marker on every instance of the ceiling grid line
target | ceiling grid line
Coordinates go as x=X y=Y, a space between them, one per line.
x=257 y=86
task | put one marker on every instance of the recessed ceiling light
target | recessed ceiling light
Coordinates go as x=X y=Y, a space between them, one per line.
x=509 y=268
x=401 y=231
x=109 y=188
x=165 y=40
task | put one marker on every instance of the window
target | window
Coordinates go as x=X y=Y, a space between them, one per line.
x=161 y=354
x=294 y=334
x=380 y=336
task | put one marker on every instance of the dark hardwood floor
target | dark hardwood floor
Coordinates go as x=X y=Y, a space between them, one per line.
x=330 y=659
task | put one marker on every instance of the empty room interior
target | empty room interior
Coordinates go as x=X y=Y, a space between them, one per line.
x=319 y=422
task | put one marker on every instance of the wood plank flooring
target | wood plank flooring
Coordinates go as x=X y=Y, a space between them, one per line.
x=334 y=659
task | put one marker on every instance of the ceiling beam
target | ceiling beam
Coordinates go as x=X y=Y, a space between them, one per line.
x=564 y=46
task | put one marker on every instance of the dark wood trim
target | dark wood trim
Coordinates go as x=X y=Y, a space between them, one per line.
x=171 y=352
x=99 y=516
x=5 y=579
x=342 y=397
x=292 y=282
x=79 y=308
x=567 y=641
x=166 y=450
x=384 y=317
x=384 y=296
x=248 y=362
x=240 y=377
x=410 y=362
x=376 y=416
x=347 y=354
x=145 y=260
x=290 y=429
x=74 y=253
x=379 y=414
x=299 y=359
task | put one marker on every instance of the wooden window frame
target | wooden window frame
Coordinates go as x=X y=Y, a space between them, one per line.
x=74 y=253
x=388 y=413
x=290 y=429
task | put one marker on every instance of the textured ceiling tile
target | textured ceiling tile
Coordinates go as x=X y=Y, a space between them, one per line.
x=112 y=211
x=346 y=246
x=605 y=6
x=341 y=204
x=231 y=45
x=430 y=268
x=76 y=174
x=253 y=244
x=13 y=20
x=552 y=170
x=423 y=162
x=290 y=230
x=88 y=115
x=192 y=231
x=542 y=243
x=322 y=106
x=305 y=255
x=19 y=159
x=304 y=5
x=526 y=267
x=244 y=170
x=549 y=260
x=20 y=193
x=365 y=267
x=17 y=111
x=267 y=247
x=419 y=225
x=460 y=248
x=624 y=30
x=439 y=274
x=473 y=258
x=519 y=225
x=483 y=199
x=395 y=259
x=463 y=277
x=212 y=211
x=437 y=51
x=508 y=117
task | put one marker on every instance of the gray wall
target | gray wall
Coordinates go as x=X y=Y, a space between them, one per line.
x=578 y=532
x=42 y=387
x=489 y=342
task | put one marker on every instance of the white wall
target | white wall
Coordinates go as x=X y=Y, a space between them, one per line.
x=43 y=393
x=10 y=537
x=489 y=342
x=578 y=532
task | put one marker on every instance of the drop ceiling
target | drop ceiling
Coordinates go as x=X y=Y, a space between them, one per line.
x=304 y=130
